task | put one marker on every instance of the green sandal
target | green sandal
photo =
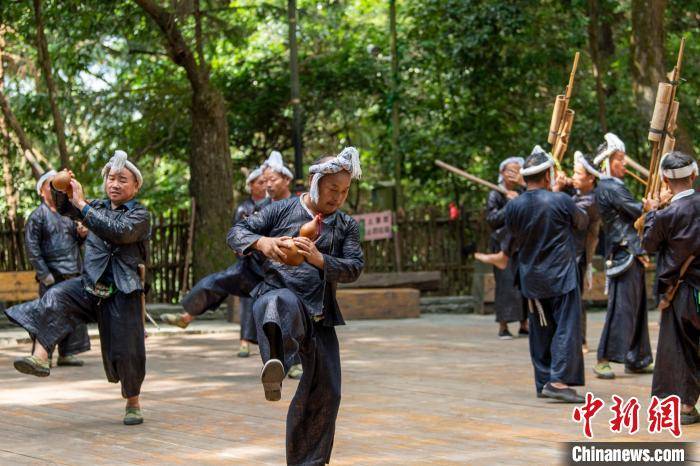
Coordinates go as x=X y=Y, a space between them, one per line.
x=295 y=372
x=133 y=416
x=174 y=319
x=243 y=351
x=604 y=371
x=33 y=366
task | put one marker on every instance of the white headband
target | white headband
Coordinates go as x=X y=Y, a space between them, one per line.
x=613 y=144
x=519 y=160
x=119 y=162
x=275 y=163
x=580 y=159
x=348 y=159
x=678 y=173
x=44 y=178
x=548 y=165
x=254 y=175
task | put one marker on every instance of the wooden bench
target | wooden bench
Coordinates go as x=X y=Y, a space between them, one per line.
x=423 y=281
x=367 y=303
x=484 y=289
x=18 y=286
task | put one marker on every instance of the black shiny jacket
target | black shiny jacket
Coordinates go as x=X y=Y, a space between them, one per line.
x=674 y=232
x=339 y=243
x=118 y=236
x=248 y=208
x=496 y=217
x=618 y=211
x=52 y=243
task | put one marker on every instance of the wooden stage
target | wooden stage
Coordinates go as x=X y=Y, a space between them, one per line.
x=441 y=389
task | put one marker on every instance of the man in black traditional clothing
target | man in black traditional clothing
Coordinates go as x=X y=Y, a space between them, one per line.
x=625 y=336
x=508 y=303
x=540 y=225
x=108 y=291
x=674 y=233
x=295 y=307
x=53 y=248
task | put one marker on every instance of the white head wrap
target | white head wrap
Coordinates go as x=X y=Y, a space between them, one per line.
x=118 y=162
x=275 y=163
x=519 y=160
x=254 y=175
x=348 y=159
x=613 y=144
x=44 y=178
x=678 y=173
x=548 y=165
x=580 y=159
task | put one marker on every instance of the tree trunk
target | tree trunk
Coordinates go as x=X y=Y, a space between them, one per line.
x=20 y=138
x=395 y=117
x=648 y=62
x=596 y=59
x=45 y=63
x=11 y=196
x=210 y=159
x=297 y=134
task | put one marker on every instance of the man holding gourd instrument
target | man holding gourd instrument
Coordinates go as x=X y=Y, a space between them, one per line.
x=110 y=288
x=295 y=305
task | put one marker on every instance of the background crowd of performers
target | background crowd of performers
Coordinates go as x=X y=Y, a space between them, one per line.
x=545 y=231
x=293 y=251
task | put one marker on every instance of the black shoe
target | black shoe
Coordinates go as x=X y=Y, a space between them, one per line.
x=690 y=418
x=505 y=335
x=540 y=395
x=567 y=395
x=523 y=332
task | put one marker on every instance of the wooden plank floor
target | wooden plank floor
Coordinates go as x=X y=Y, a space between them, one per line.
x=436 y=390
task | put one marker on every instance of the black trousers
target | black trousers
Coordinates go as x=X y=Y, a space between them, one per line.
x=582 y=266
x=625 y=336
x=509 y=304
x=555 y=340
x=118 y=318
x=248 y=331
x=285 y=330
x=677 y=369
x=77 y=341
x=211 y=291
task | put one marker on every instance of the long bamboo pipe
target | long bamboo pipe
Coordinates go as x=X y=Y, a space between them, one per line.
x=471 y=177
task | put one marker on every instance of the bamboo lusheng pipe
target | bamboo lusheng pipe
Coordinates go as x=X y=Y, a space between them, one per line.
x=637 y=177
x=557 y=113
x=637 y=166
x=658 y=118
x=563 y=142
x=653 y=188
x=562 y=117
x=471 y=177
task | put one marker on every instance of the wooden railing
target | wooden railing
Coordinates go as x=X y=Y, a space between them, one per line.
x=426 y=240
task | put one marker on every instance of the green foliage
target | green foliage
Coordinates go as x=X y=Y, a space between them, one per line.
x=477 y=82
